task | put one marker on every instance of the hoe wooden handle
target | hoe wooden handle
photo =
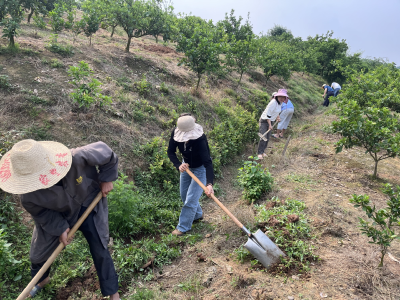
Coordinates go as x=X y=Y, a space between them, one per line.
x=216 y=200
x=31 y=285
x=265 y=133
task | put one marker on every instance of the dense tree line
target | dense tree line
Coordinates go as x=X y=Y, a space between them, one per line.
x=209 y=47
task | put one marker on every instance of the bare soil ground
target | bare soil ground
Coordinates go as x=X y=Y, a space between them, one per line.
x=325 y=182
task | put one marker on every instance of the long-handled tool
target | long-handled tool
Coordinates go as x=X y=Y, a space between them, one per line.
x=258 y=244
x=262 y=136
x=51 y=259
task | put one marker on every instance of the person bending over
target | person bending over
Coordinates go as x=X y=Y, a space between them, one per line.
x=56 y=185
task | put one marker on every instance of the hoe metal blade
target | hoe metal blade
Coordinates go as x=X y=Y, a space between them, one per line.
x=263 y=249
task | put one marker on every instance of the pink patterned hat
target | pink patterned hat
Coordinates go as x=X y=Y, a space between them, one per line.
x=281 y=92
x=32 y=165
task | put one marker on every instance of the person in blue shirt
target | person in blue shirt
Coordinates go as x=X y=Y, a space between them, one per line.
x=327 y=93
x=286 y=115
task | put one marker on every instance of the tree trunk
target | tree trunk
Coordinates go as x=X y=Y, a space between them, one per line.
x=383 y=255
x=90 y=40
x=12 y=42
x=198 y=82
x=128 y=44
x=157 y=39
x=240 y=79
x=30 y=15
x=376 y=168
x=113 y=29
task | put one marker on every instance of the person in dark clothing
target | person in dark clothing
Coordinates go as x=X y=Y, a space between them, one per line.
x=192 y=143
x=328 y=91
x=56 y=185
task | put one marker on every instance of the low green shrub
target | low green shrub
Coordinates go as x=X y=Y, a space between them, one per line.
x=255 y=180
x=55 y=63
x=164 y=89
x=87 y=90
x=4 y=82
x=288 y=226
x=39 y=21
x=132 y=212
x=55 y=47
x=143 y=86
x=384 y=228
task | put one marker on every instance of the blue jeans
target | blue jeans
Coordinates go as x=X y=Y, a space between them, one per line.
x=336 y=92
x=190 y=195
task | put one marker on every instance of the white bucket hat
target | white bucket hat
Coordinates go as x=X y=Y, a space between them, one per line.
x=32 y=165
x=187 y=129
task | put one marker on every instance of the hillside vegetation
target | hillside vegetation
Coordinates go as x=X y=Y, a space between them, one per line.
x=126 y=89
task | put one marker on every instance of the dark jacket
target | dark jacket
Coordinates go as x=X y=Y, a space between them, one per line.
x=55 y=209
x=196 y=153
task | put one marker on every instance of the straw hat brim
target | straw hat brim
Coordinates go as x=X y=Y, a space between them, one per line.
x=194 y=134
x=56 y=165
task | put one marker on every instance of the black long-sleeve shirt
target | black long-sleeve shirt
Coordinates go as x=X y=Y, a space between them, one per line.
x=196 y=153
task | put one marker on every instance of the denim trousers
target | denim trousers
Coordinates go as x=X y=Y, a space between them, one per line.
x=101 y=258
x=190 y=195
x=336 y=92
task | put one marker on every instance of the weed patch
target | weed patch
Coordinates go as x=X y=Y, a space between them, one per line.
x=55 y=47
x=288 y=226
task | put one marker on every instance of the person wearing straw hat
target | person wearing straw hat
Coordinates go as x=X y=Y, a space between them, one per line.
x=269 y=117
x=189 y=138
x=56 y=185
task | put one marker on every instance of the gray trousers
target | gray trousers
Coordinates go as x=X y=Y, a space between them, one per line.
x=262 y=145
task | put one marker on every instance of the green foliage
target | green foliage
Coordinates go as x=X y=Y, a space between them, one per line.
x=234 y=29
x=39 y=21
x=10 y=27
x=5 y=82
x=130 y=258
x=87 y=89
x=255 y=180
x=57 y=22
x=242 y=254
x=365 y=121
x=236 y=128
x=278 y=31
x=382 y=230
x=159 y=19
x=91 y=18
x=55 y=63
x=143 y=86
x=202 y=50
x=132 y=212
x=142 y=294
x=291 y=237
x=55 y=47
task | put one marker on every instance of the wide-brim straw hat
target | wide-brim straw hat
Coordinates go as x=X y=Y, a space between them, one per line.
x=32 y=165
x=282 y=93
x=187 y=129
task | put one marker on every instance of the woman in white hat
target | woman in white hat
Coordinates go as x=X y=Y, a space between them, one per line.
x=56 y=185
x=269 y=117
x=192 y=143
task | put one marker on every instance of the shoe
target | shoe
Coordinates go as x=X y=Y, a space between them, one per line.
x=199 y=219
x=35 y=290
x=276 y=136
x=177 y=232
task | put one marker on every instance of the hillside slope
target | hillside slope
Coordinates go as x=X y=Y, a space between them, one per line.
x=149 y=91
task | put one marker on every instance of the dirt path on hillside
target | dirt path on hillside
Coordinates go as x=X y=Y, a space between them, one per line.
x=347 y=269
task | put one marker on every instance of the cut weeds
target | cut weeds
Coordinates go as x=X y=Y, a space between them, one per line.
x=287 y=225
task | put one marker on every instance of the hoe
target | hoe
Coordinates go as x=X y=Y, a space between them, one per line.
x=258 y=244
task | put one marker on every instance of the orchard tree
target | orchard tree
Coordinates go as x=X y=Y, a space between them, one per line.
x=57 y=22
x=276 y=58
x=131 y=16
x=241 y=55
x=160 y=19
x=201 y=50
x=376 y=129
x=279 y=31
x=11 y=14
x=234 y=29
x=91 y=18
x=186 y=25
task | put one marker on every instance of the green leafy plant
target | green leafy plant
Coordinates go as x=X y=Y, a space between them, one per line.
x=376 y=129
x=54 y=46
x=255 y=180
x=55 y=63
x=385 y=223
x=143 y=86
x=10 y=28
x=57 y=22
x=288 y=226
x=39 y=21
x=87 y=90
x=4 y=82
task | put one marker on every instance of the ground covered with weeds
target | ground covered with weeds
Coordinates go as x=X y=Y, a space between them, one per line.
x=306 y=211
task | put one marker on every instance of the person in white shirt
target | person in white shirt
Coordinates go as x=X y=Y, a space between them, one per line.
x=336 y=88
x=269 y=117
